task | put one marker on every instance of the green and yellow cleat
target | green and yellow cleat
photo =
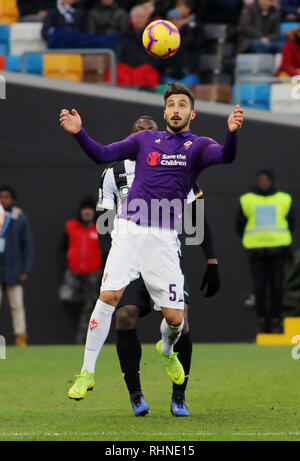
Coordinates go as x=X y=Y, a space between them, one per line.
x=84 y=382
x=174 y=368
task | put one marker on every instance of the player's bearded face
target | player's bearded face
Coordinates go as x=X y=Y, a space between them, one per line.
x=178 y=113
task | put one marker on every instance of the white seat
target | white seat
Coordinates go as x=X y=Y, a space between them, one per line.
x=26 y=37
x=285 y=99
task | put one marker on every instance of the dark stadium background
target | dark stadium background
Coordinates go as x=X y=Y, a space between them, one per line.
x=51 y=175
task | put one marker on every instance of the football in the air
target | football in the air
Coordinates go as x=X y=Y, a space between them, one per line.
x=161 y=39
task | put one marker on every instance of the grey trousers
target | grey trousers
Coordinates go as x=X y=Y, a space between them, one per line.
x=16 y=302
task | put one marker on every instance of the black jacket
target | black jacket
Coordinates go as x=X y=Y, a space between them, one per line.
x=55 y=19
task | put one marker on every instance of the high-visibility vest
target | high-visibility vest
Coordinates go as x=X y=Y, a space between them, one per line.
x=267 y=225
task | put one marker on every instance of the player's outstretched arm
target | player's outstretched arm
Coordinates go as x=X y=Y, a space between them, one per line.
x=214 y=153
x=122 y=150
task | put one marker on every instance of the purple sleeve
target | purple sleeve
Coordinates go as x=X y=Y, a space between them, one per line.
x=213 y=153
x=128 y=148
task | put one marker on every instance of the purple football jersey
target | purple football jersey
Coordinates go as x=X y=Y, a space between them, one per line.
x=167 y=167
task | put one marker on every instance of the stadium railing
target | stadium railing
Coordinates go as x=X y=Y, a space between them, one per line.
x=82 y=51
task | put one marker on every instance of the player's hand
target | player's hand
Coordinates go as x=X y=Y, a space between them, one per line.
x=211 y=280
x=235 y=119
x=71 y=122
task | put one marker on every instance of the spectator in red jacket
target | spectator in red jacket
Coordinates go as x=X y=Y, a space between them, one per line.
x=290 y=64
x=135 y=66
x=82 y=278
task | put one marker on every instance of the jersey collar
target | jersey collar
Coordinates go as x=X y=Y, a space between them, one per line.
x=184 y=134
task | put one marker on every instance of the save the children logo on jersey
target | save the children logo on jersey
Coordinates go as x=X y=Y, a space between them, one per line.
x=94 y=324
x=178 y=159
x=153 y=158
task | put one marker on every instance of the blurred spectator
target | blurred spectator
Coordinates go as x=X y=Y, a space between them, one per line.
x=265 y=221
x=186 y=9
x=34 y=10
x=106 y=17
x=149 y=5
x=16 y=260
x=290 y=64
x=259 y=28
x=219 y=11
x=82 y=278
x=65 y=14
x=290 y=10
x=2 y=217
x=183 y=65
x=135 y=66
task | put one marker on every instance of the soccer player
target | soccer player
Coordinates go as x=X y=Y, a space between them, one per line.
x=145 y=242
x=135 y=301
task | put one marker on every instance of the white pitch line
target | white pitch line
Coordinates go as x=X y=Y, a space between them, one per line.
x=161 y=434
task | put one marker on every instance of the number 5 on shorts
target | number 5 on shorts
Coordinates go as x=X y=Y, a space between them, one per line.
x=172 y=292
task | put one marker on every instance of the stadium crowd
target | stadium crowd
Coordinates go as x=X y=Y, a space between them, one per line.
x=212 y=34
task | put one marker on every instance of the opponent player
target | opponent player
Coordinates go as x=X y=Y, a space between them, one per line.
x=135 y=301
x=144 y=242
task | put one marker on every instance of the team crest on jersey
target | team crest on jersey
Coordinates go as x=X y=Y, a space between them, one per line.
x=94 y=324
x=187 y=144
x=157 y=141
x=105 y=277
x=153 y=158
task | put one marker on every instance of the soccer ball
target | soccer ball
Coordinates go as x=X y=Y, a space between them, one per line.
x=161 y=39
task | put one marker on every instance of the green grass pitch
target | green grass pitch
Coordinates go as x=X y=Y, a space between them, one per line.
x=236 y=392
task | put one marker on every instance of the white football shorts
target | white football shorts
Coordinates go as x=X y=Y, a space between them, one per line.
x=150 y=251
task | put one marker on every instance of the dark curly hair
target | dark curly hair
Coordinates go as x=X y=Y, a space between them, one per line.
x=179 y=88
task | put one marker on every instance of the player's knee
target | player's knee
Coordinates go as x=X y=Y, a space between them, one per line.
x=127 y=317
x=174 y=317
x=110 y=297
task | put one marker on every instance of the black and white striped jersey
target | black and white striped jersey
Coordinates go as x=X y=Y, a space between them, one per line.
x=116 y=182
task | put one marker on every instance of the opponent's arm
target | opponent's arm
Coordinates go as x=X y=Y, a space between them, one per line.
x=211 y=279
x=122 y=150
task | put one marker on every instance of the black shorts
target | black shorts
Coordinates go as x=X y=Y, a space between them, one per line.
x=136 y=294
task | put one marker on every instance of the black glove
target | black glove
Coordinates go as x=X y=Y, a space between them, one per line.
x=211 y=280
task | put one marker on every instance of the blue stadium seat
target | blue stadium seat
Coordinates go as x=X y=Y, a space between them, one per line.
x=254 y=96
x=285 y=26
x=4 y=39
x=13 y=63
x=34 y=64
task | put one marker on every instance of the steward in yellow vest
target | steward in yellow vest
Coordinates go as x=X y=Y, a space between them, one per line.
x=265 y=221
